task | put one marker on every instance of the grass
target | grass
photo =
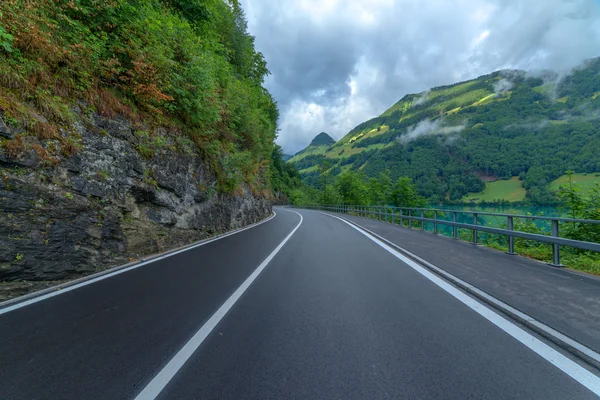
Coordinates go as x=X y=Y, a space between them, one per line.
x=485 y=100
x=349 y=150
x=510 y=190
x=309 y=151
x=402 y=105
x=585 y=182
x=309 y=169
x=545 y=89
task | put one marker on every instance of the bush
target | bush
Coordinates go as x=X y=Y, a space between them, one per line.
x=185 y=64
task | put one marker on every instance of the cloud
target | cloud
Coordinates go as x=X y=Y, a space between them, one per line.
x=530 y=126
x=337 y=63
x=422 y=99
x=429 y=127
x=502 y=86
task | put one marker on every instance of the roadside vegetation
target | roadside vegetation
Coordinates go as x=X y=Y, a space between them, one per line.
x=186 y=66
x=356 y=188
x=576 y=204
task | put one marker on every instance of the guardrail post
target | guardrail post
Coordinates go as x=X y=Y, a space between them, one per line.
x=422 y=220
x=409 y=218
x=393 y=216
x=401 y=219
x=475 y=231
x=454 y=228
x=511 y=239
x=555 y=247
x=435 y=225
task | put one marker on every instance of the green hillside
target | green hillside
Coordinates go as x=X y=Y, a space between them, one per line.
x=498 y=126
x=585 y=182
x=508 y=189
x=319 y=145
x=322 y=138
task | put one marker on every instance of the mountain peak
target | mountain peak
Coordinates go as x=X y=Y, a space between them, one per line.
x=321 y=139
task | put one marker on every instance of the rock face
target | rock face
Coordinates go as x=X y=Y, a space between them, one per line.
x=108 y=203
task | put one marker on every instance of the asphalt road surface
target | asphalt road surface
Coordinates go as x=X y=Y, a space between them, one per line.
x=303 y=306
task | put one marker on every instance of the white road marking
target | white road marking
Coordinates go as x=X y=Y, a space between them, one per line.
x=60 y=291
x=569 y=367
x=153 y=389
x=586 y=351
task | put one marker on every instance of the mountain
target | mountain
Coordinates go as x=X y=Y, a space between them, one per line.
x=317 y=147
x=454 y=140
x=321 y=139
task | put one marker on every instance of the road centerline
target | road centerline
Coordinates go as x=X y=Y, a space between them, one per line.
x=161 y=380
x=569 y=367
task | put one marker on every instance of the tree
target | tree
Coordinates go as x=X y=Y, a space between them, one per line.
x=352 y=188
x=324 y=177
x=404 y=194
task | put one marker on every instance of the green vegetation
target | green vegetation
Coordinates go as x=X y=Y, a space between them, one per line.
x=284 y=178
x=452 y=139
x=508 y=190
x=577 y=207
x=322 y=138
x=319 y=145
x=309 y=151
x=355 y=188
x=585 y=182
x=188 y=66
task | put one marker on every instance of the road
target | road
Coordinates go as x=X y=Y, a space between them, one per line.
x=300 y=307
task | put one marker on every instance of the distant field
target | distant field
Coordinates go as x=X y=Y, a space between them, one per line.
x=586 y=182
x=309 y=151
x=510 y=190
x=350 y=151
x=310 y=169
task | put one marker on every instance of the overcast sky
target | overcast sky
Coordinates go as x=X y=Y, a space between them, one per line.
x=337 y=63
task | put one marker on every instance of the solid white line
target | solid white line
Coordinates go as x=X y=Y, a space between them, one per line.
x=550 y=331
x=571 y=368
x=153 y=389
x=60 y=290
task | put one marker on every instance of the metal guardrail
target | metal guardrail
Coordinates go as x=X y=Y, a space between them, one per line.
x=396 y=215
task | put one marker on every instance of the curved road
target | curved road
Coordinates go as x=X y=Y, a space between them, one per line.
x=303 y=306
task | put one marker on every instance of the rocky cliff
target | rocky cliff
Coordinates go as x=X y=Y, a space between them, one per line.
x=122 y=192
